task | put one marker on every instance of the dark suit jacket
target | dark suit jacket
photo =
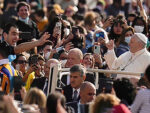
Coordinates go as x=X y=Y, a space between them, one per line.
x=68 y=92
x=39 y=82
x=74 y=105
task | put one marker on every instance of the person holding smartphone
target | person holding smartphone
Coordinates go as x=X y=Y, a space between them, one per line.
x=55 y=28
x=36 y=63
x=101 y=38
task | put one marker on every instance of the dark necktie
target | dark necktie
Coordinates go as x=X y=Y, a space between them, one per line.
x=45 y=87
x=75 y=95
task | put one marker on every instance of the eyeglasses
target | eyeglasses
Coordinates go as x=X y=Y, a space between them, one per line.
x=22 y=62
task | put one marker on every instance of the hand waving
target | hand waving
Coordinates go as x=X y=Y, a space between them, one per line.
x=110 y=45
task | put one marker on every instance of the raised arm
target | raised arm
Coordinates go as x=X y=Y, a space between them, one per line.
x=29 y=45
x=142 y=11
x=110 y=55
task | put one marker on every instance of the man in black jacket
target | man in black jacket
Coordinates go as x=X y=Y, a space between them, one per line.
x=24 y=23
x=87 y=95
x=42 y=82
x=77 y=77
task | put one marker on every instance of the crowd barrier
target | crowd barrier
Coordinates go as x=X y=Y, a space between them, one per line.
x=56 y=73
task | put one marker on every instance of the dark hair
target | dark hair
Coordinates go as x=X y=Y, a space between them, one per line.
x=8 y=27
x=47 y=43
x=20 y=4
x=144 y=23
x=132 y=15
x=17 y=57
x=78 y=68
x=117 y=1
x=52 y=23
x=35 y=58
x=40 y=13
x=82 y=1
x=78 y=16
x=147 y=73
x=51 y=105
x=122 y=37
x=125 y=90
x=112 y=34
x=5 y=49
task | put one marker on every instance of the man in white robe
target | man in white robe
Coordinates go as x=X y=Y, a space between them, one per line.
x=135 y=60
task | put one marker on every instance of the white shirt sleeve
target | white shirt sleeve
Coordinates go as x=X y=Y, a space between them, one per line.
x=110 y=57
x=113 y=62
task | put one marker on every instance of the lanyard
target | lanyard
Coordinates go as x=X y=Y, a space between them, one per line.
x=131 y=61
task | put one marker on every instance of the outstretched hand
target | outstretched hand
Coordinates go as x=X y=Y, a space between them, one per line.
x=139 y=3
x=44 y=38
x=68 y=46
x=108 y=23
x=110 y=45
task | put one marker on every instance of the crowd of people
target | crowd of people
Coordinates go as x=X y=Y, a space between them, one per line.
x=36 y=35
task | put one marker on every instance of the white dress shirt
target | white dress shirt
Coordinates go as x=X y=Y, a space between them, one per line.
x=131 y=62
x=78 y=90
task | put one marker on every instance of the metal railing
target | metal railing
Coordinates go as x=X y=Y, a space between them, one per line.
x=56 y=70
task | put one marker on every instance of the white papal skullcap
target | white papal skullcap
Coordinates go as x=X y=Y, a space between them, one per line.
x=142 y=37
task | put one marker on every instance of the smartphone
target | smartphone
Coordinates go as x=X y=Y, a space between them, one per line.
x=64 y=17
x=25 y=35
x=97 y=49
x=58 y=25
x=34 y=60
x=74 y=30
x=99 y=35
x=59 y=49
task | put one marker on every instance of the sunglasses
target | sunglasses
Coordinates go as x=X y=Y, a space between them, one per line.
x=22 y=62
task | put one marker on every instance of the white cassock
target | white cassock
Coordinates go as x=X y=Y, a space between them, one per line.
x=131 y=62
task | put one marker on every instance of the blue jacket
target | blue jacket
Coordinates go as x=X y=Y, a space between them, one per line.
x=121 y=49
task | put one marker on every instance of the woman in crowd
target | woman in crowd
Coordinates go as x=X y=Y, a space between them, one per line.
x=116 y=29
x=139 y=25
x=122 y=45
x=88 y=60
x=35 y=96
x=52 y=101
x=21 y=64
x=36 y=63
x=103 y=102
